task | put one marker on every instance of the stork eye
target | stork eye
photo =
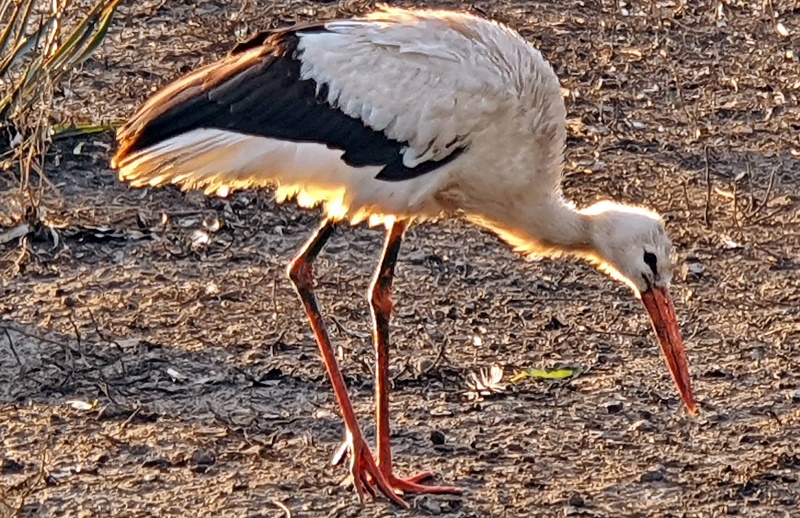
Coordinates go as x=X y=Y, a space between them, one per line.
x=651 y=261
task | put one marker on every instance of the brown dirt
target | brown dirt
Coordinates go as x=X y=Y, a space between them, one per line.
x=208 y=396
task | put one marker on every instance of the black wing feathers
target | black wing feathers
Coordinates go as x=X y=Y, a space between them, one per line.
x=268 y=37
x=257 y=90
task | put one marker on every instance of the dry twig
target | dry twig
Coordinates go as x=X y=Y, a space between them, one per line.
x=707 y=169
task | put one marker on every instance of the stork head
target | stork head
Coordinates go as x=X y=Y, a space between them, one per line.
x=631 y=245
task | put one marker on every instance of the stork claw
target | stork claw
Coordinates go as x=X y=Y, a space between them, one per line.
x=365 y=474
x=399 y=486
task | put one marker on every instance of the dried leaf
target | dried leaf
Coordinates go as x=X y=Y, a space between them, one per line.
x=81 y=405
x=23 y=229
x=200 y=238
x=636 y=53
x=485 y=382
x=175 y=375
x=730 y=244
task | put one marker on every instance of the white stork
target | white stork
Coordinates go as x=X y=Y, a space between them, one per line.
x=396 y=116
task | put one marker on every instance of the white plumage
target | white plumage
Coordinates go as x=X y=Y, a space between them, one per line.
x=475 y=83
x=399 y=115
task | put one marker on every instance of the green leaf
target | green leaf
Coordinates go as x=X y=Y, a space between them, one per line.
x=62 y=131
x=100 y=33
x=549 y=374
x=49 y=63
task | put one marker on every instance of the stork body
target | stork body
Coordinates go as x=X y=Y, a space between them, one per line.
x=396 y=116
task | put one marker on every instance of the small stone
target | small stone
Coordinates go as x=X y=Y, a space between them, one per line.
x=9 y=465
x=692 y=271
x=431 y=506
x=437 y=437
x=643 y=425
x=157 y=462
x=748 y=438
x=422 y=366
x=575 y=500
x=651 y=476
x=203 y=458
x=201 y=468
x=554 y=325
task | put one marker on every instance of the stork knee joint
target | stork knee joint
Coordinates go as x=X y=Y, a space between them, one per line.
x=301 y=273
x=381 y=301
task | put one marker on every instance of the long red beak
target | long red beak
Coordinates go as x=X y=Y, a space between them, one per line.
x=662 y=313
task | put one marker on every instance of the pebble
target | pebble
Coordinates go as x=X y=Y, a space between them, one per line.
x=575 y=500
x=651 y=476
x=692 y=271
x=9 y=465
x=642 y=424
x=431 y=506
x=203 y=457
x=437 y=437
x=422 y=366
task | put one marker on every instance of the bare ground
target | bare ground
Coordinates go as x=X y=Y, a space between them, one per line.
x=204 y=393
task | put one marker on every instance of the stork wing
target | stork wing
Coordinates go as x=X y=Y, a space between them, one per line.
x=390 y=94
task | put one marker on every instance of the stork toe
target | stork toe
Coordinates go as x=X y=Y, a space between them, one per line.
x=365 y=474
x=400 y=486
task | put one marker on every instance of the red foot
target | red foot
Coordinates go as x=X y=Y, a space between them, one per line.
x=410 y=485
x=366 y=475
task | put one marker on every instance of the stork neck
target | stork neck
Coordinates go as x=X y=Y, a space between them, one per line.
x=550 y=227
x=561 y=227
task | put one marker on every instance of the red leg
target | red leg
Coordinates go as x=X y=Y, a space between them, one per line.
x=381 y=304
x=365 y=472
